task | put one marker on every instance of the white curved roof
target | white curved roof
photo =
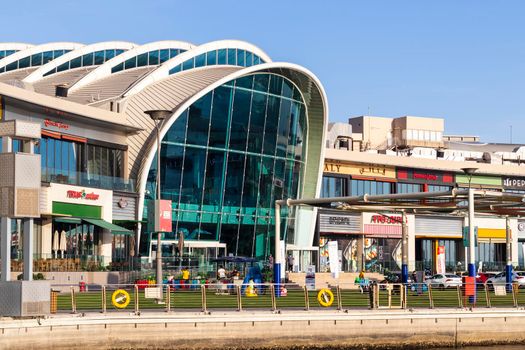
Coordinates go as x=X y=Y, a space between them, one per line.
x=105 y=69
x=14 y=46
x=108 y=45
x=38 y=49
x=163 y=71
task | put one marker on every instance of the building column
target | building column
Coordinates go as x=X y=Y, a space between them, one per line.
x=361 y=263
x=28 y=249
x=5 y=248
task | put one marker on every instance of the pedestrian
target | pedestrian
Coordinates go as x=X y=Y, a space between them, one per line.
x=270 y=260
x=290 y=262
x=221 y=273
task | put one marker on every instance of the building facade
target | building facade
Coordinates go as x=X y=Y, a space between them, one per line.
x=381 y=159
x=243 y=132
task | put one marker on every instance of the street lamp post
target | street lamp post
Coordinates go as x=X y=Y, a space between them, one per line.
x=471 y=248
x=158 y=117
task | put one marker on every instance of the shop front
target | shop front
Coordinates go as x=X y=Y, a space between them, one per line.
x=382 y=241
x=424 y=179
x=439 y=246
x=77 y=232
x=345 y=229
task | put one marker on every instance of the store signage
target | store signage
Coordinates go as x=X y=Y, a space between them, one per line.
x=521 y=226
x=514 y=183
x=383 y=219
x=82 y=195
x=425 y=176
x=340 y=220
x=365 y=170
x=52 y=123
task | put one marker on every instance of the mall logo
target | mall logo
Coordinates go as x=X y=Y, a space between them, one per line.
x=82 y=195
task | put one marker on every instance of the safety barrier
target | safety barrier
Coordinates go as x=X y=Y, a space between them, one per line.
x=137 y=298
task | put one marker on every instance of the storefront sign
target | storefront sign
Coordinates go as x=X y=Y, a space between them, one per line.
x=82 y=195
x=384 y=219
x=52 y=123
x=425 y=176
x=364 y=170
x=516 y=183
x=340 y=224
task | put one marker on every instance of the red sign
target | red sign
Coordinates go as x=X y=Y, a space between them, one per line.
x=55 y=124
x=425 y=176
x=164 y=214
x=382 y=219
x=82 y=195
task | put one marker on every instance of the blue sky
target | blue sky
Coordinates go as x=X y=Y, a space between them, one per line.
x=460 y=60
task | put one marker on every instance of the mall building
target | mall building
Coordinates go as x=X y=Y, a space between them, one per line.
x=242 y=132
x=376 y=155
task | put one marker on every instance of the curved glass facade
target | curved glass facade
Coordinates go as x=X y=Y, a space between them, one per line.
x=90 y=59
x=228 y=157
x=234 y=57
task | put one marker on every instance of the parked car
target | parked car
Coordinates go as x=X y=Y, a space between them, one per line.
x=444 y=280
x=501 y=278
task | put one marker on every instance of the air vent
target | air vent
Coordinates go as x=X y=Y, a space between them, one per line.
x=61 y=91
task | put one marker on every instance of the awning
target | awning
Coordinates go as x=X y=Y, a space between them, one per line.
x=68 y=220
x=109 y=226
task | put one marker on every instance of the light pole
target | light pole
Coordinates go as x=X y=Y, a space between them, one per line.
x=158 y=117
x=471 y=248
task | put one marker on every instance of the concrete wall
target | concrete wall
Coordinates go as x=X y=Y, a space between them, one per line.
x=243 y=330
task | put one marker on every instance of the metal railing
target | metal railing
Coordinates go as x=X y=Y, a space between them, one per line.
x=137 y=298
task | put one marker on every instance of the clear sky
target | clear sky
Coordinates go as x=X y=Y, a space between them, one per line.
x=460 y=60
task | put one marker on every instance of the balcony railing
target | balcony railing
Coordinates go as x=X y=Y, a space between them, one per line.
x=86 y=179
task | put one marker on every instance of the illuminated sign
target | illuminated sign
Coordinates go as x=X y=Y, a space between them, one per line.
x=425 y=176
x=51 y=123
x=82 y=195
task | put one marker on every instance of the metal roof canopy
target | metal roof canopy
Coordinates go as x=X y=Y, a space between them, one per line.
x=454 y=202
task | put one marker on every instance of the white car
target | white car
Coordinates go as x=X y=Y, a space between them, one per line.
x=501 y=278
x=444 y=280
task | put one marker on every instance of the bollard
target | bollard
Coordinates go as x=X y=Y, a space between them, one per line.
x=272 y=293
x=306 y=299
x=339 y=301
x=103 y=299
x=168 y=298
x=136 y=290
x=203 y=299
x=239 y=298
x=73 y=301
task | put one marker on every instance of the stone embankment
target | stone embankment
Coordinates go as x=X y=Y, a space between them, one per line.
x=263 y=330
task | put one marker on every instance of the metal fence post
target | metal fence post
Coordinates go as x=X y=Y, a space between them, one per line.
x=272 y=294
x=460 y=300
x=203 y=298
x=104 y=299
x=515 y=294
x=136 y=289
x=404 y=294
x=73 y=301
x=239 y=298
x=168 y=298
x=487 y=295
x=306 y=299
x=430 y=298
x=339 y=301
